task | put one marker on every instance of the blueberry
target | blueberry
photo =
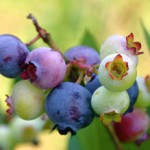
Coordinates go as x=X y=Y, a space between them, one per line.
x=13 y=53
x=84 y=55
x=93 y=84
x=88 y=54
x=69 y=107
x=44 y=67
x=133 y=94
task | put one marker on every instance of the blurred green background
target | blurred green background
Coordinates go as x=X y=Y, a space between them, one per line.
x=67 y=21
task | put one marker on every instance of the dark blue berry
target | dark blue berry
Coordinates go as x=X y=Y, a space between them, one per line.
x=69 y=107
x=93 y=84
x=13 y=53
x=133 y=94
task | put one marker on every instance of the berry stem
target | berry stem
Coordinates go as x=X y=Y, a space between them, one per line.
x=80 y=78
x=113 y=136
x=43 y=33
x=33 y=41
x=69 y=67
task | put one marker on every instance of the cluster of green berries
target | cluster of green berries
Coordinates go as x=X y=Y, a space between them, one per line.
x=123 y=96
x=117 y=73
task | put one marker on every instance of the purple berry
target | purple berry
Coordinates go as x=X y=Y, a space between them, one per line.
x=133 y=126
x=44 y=67
x=81 y=58
x=13 y=53
x=69 y=107
x=88 y=54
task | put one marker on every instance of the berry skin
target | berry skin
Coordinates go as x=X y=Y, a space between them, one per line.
x=105 y=101
x=88 y=54
x=27 y=100
x=117 y=72
x=13 y=53
x=143 y=99
x=133 y=126
x=44 y=67
x=121 y=44
x=69 y=107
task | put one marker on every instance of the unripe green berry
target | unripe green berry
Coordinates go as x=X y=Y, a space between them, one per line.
x=25 y=130
x=6 y=140
x=117 y=72
x=106 y=101
x=121 y=44
x=28 y=100
x=143 y=99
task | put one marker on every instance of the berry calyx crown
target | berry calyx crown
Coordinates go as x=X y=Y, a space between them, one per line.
x=117 y=68
x=133 y=46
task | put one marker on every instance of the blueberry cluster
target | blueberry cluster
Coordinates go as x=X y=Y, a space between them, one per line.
x=44 y=86
x=74 y=88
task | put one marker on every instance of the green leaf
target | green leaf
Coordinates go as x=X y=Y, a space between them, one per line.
x=94 y=137
x=74 y=143
x=89 y=40
x=146 y=35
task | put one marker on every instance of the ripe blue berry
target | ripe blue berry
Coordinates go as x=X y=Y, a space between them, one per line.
x=69 y=107
x=93 y=84
x=133 y=92
x=13 y=53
